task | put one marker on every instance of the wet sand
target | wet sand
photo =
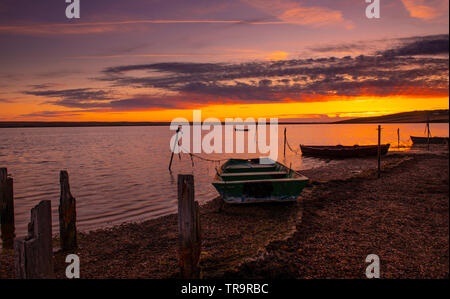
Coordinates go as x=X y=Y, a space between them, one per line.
x=345 y=214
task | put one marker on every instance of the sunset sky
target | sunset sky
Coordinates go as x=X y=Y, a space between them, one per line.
x=155 y=60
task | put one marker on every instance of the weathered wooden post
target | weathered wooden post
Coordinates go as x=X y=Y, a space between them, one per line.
x=67 y=215
x=6 y=209
x=398 y=137
x=284 y=152
x=189 y=228
x=379 y=151
x=34 y=253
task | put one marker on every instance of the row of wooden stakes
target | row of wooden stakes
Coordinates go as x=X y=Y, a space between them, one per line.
x=34 y=253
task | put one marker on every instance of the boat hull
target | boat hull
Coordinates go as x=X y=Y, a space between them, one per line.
x=246 y=181
x=341 y=152
x=283 y=190
x=431 y=140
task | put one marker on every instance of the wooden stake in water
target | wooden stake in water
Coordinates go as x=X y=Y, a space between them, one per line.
x=174 y=147
x=398 y=137
x=6 y=209
x=189 y=228
x=379 y=151
x=67 y=215
x=285 y=142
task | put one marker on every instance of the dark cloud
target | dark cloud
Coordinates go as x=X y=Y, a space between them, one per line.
x=398 y=71
x=340 y=48
x=428 y=45
x=143 y=102
x=89 y=99
x=265 y=82
x=75 y=98
x=72 y=94
x=273 y=81
x=51 y=114
x=41 y=86
x=57 y=73
x=187 y=68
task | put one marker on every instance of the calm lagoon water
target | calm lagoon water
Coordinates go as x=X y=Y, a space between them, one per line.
x=120 y=174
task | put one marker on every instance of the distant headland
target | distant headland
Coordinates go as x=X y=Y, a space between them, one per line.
x=433 y=116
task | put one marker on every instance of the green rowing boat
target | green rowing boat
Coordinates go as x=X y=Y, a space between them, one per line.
x=249 y=181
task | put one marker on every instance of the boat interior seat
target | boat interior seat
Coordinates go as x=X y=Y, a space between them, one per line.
x=249 y=168
x=254 y=173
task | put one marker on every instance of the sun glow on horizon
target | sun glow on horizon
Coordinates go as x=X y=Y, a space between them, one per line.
x=329 y=107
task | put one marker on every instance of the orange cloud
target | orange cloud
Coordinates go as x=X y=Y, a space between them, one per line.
x=315 y=16
x=295 y=13
x=280 y=55
x=426 y=10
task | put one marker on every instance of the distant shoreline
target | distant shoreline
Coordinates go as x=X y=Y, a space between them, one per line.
x=434 y=116
x=150 y=124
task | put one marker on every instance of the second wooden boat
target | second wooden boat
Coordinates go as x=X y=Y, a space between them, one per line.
x=249 y=181
x=340 y=151
x=430 y=140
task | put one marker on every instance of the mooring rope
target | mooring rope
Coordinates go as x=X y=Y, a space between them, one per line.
x=206 y=159
x=297 y=152
x=183 y=150
x=191 y=155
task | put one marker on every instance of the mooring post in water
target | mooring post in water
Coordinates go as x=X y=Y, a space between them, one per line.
x=174 y=147
x=34 y=253
x=284 y=143
x=398 y=137
x=6 y=209
x=67 y=214
x=189 y=228
x=379 y=151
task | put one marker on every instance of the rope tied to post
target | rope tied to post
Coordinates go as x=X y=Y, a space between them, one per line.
x=297 y=152
x=192 y=155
